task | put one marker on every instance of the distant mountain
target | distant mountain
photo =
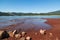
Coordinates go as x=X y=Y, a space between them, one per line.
x=55 y=12
x=20 y=14
x=5 y=14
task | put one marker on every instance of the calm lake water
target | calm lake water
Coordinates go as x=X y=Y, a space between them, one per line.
x=36 y=20
x=6 y=18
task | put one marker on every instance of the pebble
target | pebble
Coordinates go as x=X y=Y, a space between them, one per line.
x=17 y=35
x=22 y=38
x=35 y=33
x=23 y=34
x=50 y=34
x=57 y=38
x=28 y=38
x=42 y=31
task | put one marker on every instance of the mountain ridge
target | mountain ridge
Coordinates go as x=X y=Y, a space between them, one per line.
x=20 y=14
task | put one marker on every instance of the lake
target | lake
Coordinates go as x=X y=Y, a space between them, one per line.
x=6 y=18
x=35 y=20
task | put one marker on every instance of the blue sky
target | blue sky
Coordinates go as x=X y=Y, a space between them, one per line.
x=38 y=6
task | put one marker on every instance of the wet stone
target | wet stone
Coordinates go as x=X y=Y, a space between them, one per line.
x=3 y=34
x=22 y=38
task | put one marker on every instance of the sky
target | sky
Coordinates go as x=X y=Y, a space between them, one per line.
x=34 y=6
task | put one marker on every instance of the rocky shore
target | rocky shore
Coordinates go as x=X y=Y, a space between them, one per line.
x=32 y=34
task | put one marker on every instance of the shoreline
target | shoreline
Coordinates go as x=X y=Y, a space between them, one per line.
x=55 y=30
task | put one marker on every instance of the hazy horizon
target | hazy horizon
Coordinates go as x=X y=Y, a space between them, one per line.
x=29 y=6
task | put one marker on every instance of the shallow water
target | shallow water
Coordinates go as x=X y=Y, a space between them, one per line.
x=37 y=24
x=35 y=20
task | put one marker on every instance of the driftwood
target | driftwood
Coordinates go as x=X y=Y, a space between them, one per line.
x=3 y=34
